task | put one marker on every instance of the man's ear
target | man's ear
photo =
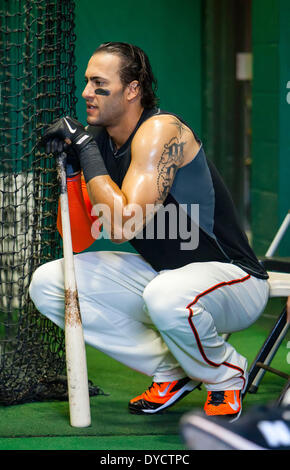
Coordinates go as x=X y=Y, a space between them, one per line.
x=133 y=90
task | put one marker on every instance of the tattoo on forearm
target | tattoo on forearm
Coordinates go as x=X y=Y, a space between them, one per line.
x=171 y=158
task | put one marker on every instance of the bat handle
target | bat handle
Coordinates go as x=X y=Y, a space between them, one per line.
x=69 y=281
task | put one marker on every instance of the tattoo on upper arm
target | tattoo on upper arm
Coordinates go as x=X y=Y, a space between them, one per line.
x=181 y=128
x=171 y=158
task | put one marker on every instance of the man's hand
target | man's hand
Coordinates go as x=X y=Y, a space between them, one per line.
x=81 y=146
x=69 y=130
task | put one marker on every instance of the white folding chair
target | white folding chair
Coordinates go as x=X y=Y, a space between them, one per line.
x=279 y=282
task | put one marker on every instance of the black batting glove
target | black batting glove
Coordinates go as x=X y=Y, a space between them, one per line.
x=67 y=128
x=82 y=142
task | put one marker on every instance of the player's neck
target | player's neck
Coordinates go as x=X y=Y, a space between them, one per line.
x=121 y=132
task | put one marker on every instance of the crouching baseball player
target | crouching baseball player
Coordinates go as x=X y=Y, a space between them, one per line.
x=140 y=173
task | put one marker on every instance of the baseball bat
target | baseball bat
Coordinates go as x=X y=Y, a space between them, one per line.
x=76 y=363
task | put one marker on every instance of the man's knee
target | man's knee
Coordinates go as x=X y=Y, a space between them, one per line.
x=169 y=303
x=42 y=277
x=160 y=301
x=38 y=280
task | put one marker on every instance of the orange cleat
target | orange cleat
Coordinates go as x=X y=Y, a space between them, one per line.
x=227 y=403
x=160 y=396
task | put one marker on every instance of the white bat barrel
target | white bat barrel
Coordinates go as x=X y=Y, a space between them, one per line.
x=77 y=375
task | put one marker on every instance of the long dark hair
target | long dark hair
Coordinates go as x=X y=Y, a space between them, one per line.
x=135 y=65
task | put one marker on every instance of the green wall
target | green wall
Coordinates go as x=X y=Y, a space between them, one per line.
x=168 y=31
x=270 y=121
x=284 y=121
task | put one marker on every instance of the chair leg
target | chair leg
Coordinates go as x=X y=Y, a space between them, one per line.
x=264 y=366
x=266 y=353
x=284 y=398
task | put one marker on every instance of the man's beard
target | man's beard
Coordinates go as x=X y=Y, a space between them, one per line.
x=106 y=119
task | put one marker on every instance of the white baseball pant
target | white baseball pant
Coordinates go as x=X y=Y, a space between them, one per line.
x=167 y=325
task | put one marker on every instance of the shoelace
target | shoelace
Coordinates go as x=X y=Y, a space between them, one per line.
x=217 y=398
x=148 y=391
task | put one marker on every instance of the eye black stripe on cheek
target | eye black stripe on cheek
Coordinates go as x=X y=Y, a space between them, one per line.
x=102 y=91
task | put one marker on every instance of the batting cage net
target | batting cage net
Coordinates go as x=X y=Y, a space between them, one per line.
x=37 y=86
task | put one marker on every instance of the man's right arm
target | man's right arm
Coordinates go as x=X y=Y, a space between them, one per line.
x=157 y=151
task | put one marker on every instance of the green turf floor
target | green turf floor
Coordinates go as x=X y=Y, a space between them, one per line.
x=45 y=426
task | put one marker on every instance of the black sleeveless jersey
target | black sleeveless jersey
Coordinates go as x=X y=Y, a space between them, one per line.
x=217 y=233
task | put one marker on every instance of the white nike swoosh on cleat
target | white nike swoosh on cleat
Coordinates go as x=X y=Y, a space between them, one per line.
x=162 y=394
x=235 y=405
x=186 y=388
x=69 y=127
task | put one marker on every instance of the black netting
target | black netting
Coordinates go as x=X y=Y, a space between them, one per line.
x=37 y=85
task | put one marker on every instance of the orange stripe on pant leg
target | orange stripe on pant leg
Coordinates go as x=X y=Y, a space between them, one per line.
x=194 y=330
